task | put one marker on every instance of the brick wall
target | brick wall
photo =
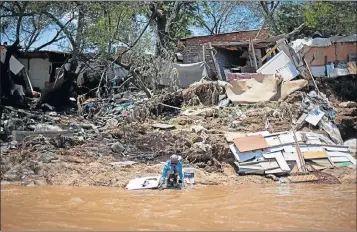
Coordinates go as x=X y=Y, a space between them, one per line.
x=191 y=48
x=228 y=37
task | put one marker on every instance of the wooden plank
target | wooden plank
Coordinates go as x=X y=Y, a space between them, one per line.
x=254 y=58
x=232 y=147
x=315 y=154
x=303 y=178
x=163 y=126
x=215 y=62
x=20 y=135
x=286 y=138
x=344 y=164
x=250 y=143
x=311 y=148
x=282 y=163
x=263 y=133
x=322 y=162
x=350 y=158
x=290 y=156
x=290 y=149
x=279 y=158
x=275 y=149
x=245 y=156
x=270 y=52
x=339 y=159
x=330 y=148
x=273 y=141
x=230 y=136
x=275 y=171
x=269 y=165
x=272 y=155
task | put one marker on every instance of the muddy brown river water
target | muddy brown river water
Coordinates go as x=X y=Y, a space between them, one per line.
x=243 y=207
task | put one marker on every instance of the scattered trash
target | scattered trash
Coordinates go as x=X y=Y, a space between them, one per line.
x=163 y=126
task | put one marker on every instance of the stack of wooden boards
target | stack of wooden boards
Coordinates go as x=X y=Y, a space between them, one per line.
x=265 y=153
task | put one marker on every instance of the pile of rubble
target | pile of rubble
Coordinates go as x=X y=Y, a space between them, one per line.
x=131 y=127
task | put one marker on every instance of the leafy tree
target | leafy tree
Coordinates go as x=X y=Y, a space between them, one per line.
x=289 y=16
x=331 y=18
x=170 y=23
x=220 y=17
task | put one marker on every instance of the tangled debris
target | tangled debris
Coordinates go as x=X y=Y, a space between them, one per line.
x=119 y=130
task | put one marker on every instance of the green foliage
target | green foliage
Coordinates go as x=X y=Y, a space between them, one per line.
x=331 y=18
x=289 y=16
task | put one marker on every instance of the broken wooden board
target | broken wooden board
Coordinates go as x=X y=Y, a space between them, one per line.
x=163 y=126
x=262 y=133
x=20 y=135
x=245 y=156
x=330 y=148
x=279 y=158
x=275 y=149
x=303 y=178
x=249 y=169
x=343 y=164
x=250 y=143
x=233 y=149
x=339 y=159
x=314 y=154
x=273 y=141
x=311 y=148
x=325 y=162
x=266 y=165
x=275 y=171
x=350 y=158
x=289 y=138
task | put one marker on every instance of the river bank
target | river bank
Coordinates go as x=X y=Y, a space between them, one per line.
x=96 y=149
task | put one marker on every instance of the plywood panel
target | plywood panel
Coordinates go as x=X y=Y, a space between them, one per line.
x=250 y=143
x=322 y=162
x=342 y=50
x=315 y=154
x=338 y=159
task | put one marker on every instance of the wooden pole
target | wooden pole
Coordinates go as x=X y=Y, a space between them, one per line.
x=312 y=77
x=215 y=62
x=254 y=58
x=300 y=155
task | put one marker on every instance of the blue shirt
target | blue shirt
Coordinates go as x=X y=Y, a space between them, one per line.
x=168 y=166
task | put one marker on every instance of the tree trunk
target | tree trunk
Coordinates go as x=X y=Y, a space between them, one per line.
x=78 y=39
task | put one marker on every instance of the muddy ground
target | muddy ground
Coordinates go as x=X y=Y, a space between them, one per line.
x=95 y=156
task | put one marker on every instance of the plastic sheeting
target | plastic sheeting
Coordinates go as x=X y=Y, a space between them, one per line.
x=268 y=88
x=188 y=74
x=298 y=44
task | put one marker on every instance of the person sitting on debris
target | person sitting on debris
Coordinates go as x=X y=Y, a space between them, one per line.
x=172 y=169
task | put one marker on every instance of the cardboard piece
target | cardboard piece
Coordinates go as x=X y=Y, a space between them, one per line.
x=250 y=143
x=257 y=89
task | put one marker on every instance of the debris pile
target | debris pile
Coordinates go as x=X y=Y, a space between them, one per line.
x=279 y=154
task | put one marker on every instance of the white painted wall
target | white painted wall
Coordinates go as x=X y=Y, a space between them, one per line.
x=38 y=71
